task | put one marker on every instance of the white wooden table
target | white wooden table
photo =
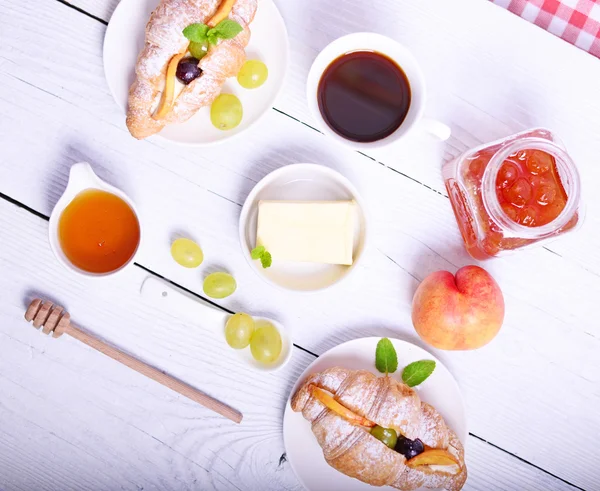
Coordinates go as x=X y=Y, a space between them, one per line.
x=72 y=419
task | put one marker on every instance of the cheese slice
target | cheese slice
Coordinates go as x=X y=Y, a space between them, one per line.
x=307 y=231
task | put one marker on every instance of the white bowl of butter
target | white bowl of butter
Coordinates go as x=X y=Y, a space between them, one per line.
x=311 y=220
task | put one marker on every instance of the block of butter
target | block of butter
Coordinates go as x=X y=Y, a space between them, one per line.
x=308 y=231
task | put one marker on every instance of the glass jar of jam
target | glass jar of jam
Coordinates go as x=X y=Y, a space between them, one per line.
x=513 y=193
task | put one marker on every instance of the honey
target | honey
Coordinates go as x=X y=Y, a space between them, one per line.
x=98 y=231
x=513 y=193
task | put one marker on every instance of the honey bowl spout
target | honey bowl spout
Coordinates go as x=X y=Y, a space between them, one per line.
x=83 y=181
x=82 y=176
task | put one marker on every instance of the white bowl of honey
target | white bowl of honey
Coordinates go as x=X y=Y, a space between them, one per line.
x=94 y=228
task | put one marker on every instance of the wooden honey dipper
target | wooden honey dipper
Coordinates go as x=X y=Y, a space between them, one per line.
x=53 y=319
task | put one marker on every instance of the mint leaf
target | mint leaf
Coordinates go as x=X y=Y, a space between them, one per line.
x=196 y=32
x=228 y=29
x=266 y=260
x=261 y=253
x=386 y=360
x=417 y=372
x=257 y=252
x=201 y=33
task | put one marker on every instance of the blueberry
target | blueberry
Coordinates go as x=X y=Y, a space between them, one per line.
x=402 y=444
x=417 y=447
x=409 y=448
x=187 y=70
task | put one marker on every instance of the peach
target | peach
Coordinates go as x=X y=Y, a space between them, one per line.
x=459 y=312
x=434 y=456
x=166 y=102
x=329 y=402
x=222 y=12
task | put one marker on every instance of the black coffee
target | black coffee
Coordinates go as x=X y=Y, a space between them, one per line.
x=364 y=96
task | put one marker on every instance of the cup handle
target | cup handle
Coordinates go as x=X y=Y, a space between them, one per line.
x=436 y=128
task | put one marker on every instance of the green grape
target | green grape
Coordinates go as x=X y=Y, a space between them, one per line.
x=226 y=112
x=387 y=436
x=253 y=74
x=187 y=253
x=238 y=330
x=265 y=344
x=219 y=285
x=198 y=50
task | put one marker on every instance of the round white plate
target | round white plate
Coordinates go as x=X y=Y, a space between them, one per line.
x=302 y=182
x=269 y=43
x=304 y=453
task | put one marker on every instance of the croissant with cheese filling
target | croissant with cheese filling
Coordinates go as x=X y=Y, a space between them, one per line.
x=343 y=404
x=165 y=40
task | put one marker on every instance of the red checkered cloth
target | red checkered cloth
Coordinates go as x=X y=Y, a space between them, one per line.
x=575 y=21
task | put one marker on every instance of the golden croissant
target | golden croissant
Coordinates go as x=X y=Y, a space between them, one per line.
x=343 y=404
x=165 y=40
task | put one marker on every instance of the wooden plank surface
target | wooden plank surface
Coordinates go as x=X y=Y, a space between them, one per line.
x=489 y=74
x=56 y=106
x=71 y=418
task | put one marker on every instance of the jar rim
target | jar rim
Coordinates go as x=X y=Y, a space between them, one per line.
x=567 y=172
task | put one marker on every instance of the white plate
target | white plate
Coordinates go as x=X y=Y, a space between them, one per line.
x=304 y=453
x=269 y=43
x=302 y=182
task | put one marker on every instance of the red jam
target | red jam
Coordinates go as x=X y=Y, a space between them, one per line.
x=528 y=188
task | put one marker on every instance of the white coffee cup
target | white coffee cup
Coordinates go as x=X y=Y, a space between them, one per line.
x=369 y=41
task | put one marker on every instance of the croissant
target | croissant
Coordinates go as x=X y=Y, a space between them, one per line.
x=351 y=449
x=165 y=39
